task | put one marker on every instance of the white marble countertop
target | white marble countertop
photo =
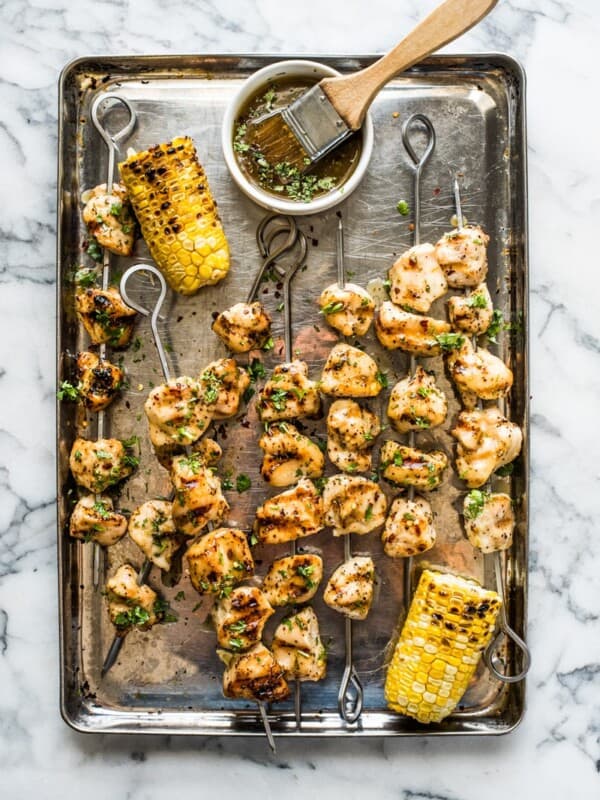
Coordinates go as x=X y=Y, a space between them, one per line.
x=556 y=751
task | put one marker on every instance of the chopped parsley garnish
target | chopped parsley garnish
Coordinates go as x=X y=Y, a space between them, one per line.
x=477 y=300
x=505 y=471
x=214 y=384
x=496 y=326
x=93 y=250
x=116 y=209
x=68 y=392
x=369 y=512
x=163 y=611
x=180 y=596
x=256 y=369
x=424 y=391
x=236 y=643
x=450 y=341
x=398 y=460
x=334 y=307
x=238 y=627
x=382 y=378
x=269 y=344
x=85 y=277
x=403 y=208
x=133 y=616
x=242 y=483
x=474 y=503
x=279 y=399
x=101 y=509
x=306 y=572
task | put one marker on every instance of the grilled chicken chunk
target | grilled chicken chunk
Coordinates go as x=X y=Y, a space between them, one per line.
x=151 y=527
x=417 y=279
x=96 y=465
x=288 y=455
x=129 y=603
x=177 y=412
x=462 y=255
x=198 y=495
x=397 y=329
x=486 y=441
x=95 y=520
x=293 y=580
x=223 y=384
x=407 y=466
x=351 y=434
x=478 y=374
x=109 y=218
x=348 y=372
x=289 y=394
x=220 y=560
x=105 y=316
x=416 y=403
x=98 y=380
x=489 y=520
x=206 y=450
x=349 y=310
x=254 y=675
x=240 y=617
x=353 y=504
x=350 y=588
x=298 y=648
x=243 y=327
x=471 y=313
x=409 y=528
x=290 y=515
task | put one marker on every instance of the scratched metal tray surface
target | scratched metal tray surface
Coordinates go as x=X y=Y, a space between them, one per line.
x=169 y=679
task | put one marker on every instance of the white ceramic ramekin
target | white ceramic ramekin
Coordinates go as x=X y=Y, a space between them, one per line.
x=262 y=77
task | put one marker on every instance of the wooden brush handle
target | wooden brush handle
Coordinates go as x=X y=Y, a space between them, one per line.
x=352 y=95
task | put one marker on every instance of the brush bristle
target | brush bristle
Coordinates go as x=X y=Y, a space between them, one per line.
x=278 y=144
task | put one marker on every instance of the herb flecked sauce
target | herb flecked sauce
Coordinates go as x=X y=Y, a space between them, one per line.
x=330 y=173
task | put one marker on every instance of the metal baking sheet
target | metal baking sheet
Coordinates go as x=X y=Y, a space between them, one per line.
x=169 y=679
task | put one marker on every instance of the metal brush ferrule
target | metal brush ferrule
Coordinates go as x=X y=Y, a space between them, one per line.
x=315 y=123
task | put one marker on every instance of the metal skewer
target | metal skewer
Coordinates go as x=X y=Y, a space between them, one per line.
x=490 y=656
x=351 y=693
x=112 y=143
x=418 y=165
x=271 y=227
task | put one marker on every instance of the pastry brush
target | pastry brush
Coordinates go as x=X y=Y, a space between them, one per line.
x=332 y=110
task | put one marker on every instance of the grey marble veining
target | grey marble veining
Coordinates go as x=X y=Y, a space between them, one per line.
x=556 y=751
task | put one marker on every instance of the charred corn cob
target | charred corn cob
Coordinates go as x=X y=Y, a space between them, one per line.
x=178 y=217
x=450 y=622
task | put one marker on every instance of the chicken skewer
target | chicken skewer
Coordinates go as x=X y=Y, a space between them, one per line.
x=112 y=144
x=351 y=692
x=495 y=547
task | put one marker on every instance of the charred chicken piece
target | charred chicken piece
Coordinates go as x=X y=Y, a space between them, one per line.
x=293 y=580
x=288 y=455
x=350 y=588
x=353 y=504
x=198 y=495
x=290 y=515
x=348 y=372
x=351 y=434
x=298 y=648
x=219 y=561
x=478 y=374
x=223 y=384
x=109 y=218
x=206 y=450
x=416 y=403
x=409 y=528
x=471 y=313
x=407 y=466
x=462 y=255
x=289 y=394
x=98 y=380
x=486 y=441
x=243 y=327
x=130 y=605
x=177 y=412
x=349 y=310
x=254 y=675
x=95 y=520
x=489 y=520
x=397 y=329
x=105 y=316
x=151 y=527
x=417 y=279
x=240 y=618
x=96 y=465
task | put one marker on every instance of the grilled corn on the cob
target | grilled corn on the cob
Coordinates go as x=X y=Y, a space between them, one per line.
x=169 y=192
x=450 y=622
